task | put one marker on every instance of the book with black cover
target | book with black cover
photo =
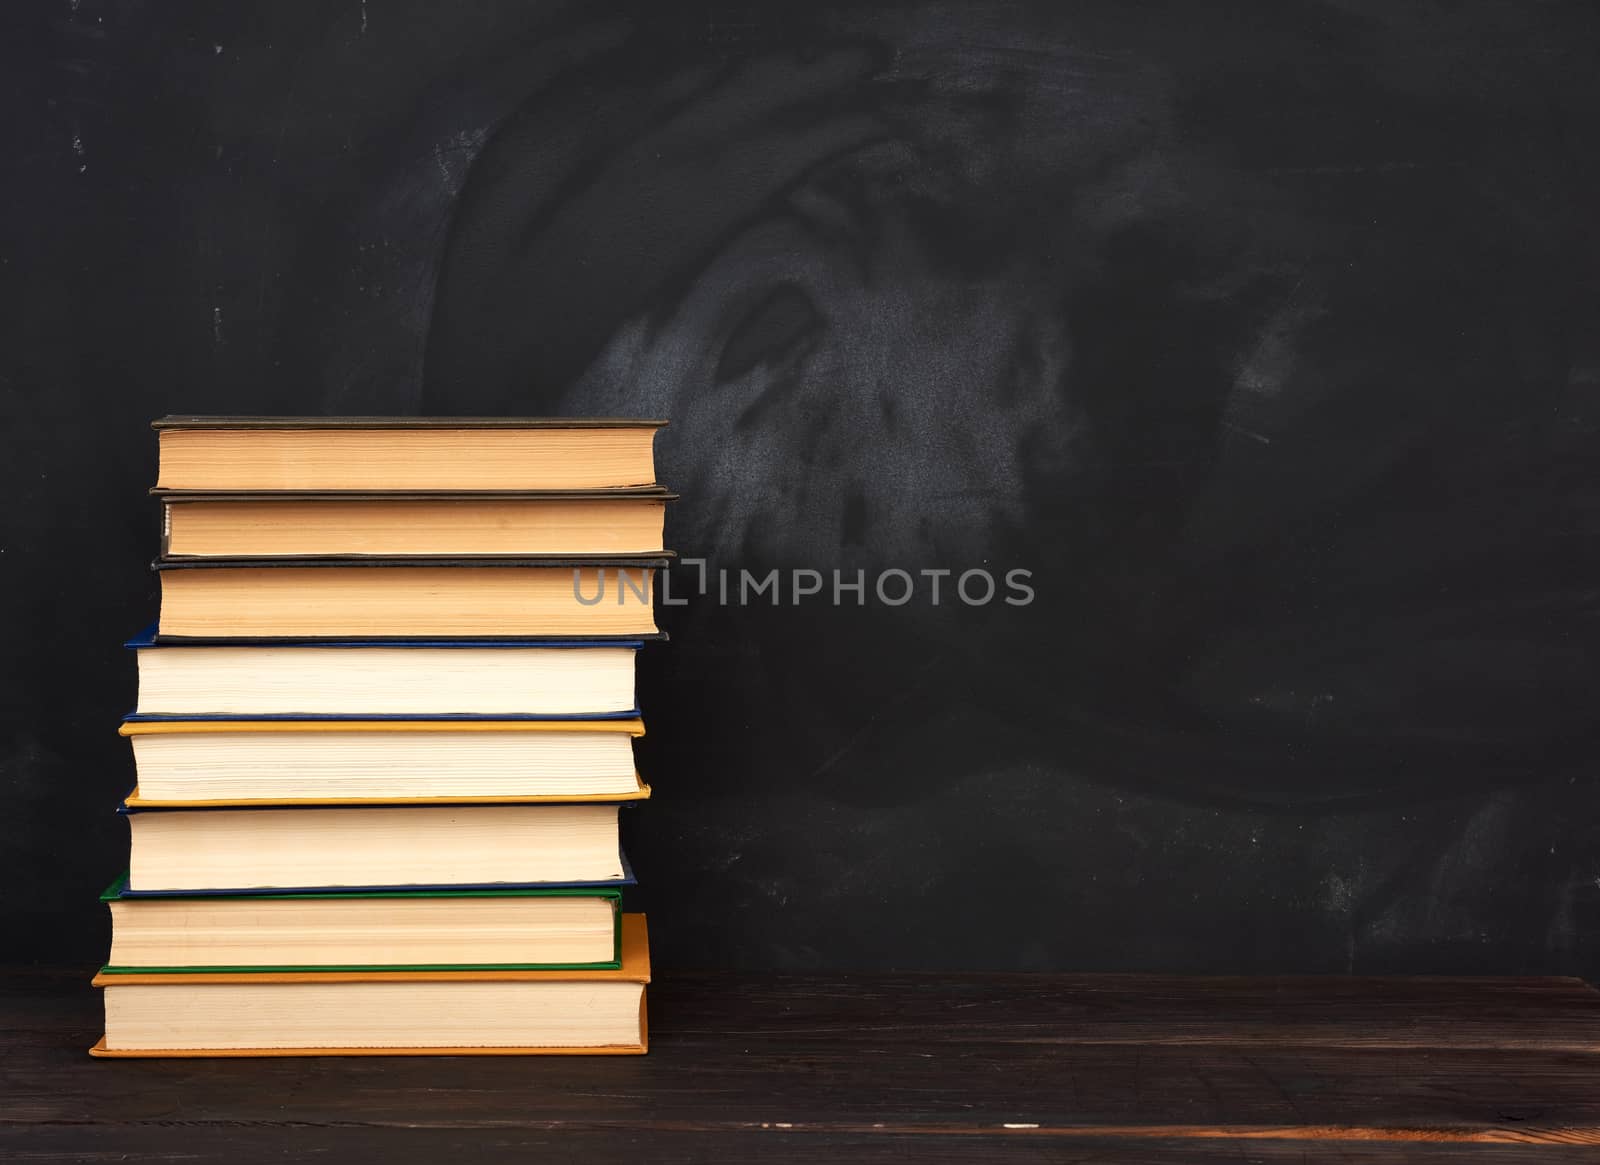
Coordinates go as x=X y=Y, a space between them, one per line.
x=291 y=524
x=440 y=598
x=150 y=636
x=405 y=453
x=210 y=421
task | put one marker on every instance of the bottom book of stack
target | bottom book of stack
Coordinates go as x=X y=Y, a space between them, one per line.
x=593 y=1008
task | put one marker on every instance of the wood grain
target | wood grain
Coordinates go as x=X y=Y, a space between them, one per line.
x=924 y=1068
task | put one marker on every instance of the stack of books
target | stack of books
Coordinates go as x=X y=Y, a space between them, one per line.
x=384 y=732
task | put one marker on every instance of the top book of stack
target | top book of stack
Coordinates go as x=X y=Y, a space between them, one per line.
x=404 y=453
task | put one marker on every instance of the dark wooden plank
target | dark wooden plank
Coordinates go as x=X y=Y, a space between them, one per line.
x=1500 y=1013
x=899 y=1057
x=258 y=1145
x=1215 y=1093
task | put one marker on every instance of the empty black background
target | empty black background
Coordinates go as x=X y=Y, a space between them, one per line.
x=1264 y=335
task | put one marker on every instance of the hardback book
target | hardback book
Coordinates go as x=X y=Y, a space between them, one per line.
x=504 y=1012
x=404 y=453
x=188 y=762
x=399 y=930
x=397 y=679
x=311 y=525
x=408 y=598
x=371 y=846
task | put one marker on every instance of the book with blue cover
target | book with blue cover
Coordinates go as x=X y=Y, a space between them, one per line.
x=150 y=636
x=211 y=760
x=417 y=679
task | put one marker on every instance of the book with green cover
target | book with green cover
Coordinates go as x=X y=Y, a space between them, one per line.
x=434 y=929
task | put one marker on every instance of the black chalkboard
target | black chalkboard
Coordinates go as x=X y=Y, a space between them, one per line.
x=1261 y=339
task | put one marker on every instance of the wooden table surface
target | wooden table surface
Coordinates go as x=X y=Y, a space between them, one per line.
x=911 y=1068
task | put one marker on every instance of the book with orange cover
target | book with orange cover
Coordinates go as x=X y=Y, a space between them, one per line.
x=382 y=1013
